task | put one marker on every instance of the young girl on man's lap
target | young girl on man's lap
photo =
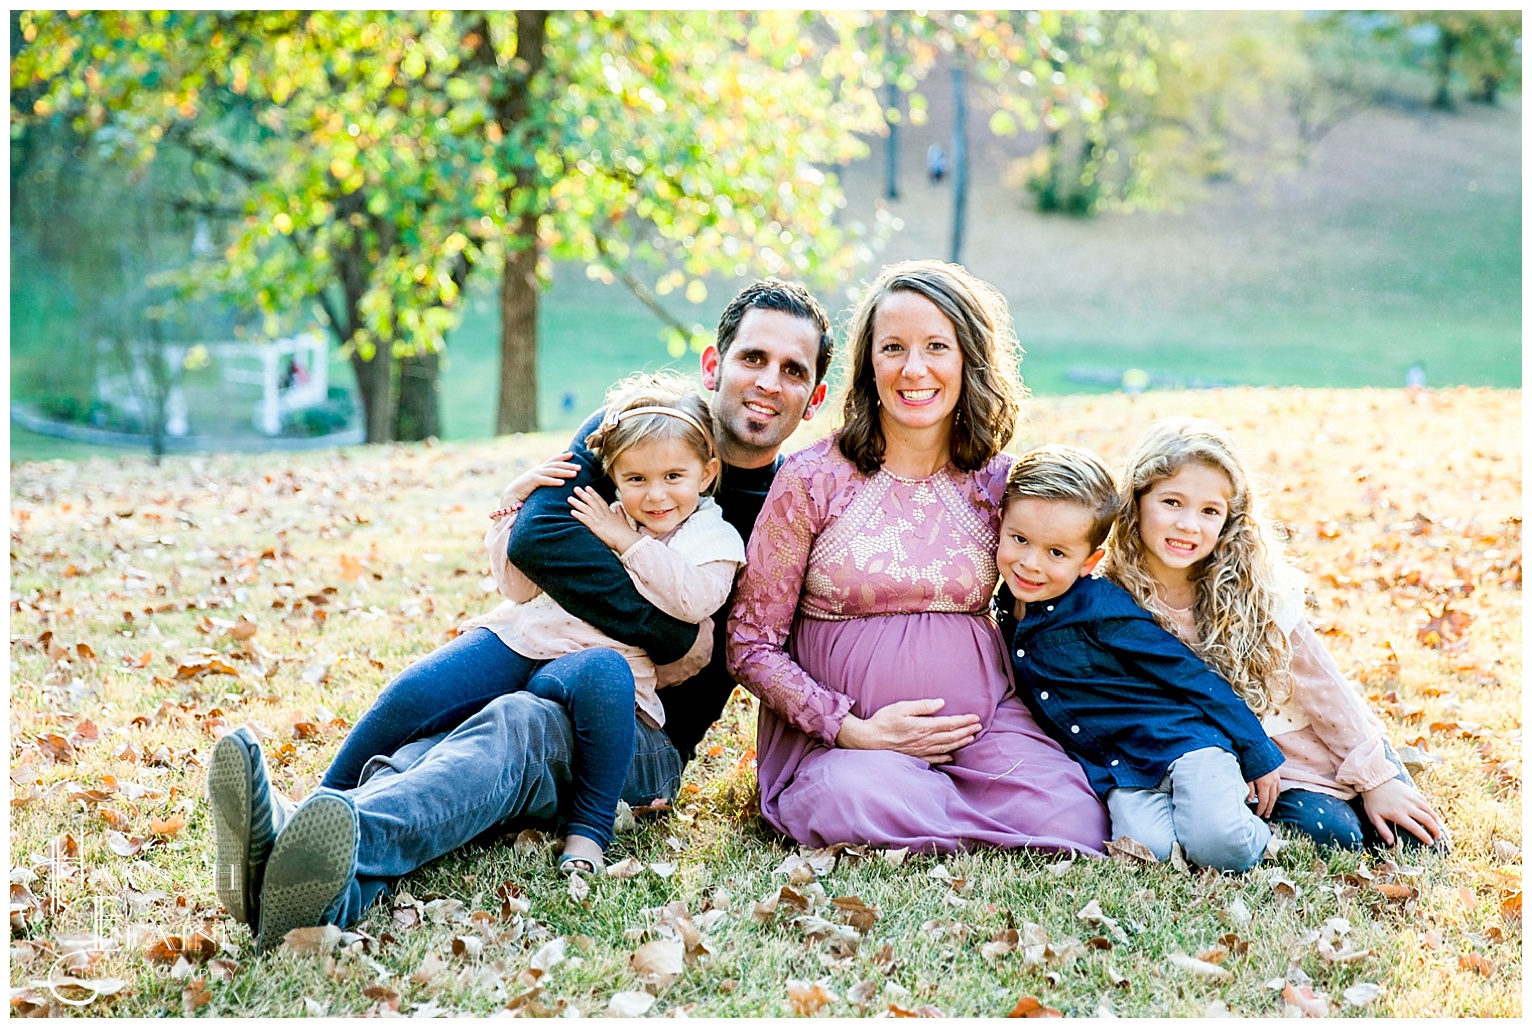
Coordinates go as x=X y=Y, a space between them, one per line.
x=1191 y=547
x=655 y=444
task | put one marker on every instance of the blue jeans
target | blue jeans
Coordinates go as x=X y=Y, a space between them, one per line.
x=1200 y=803
x=513 y=760
x=1331 y=821
x=439 y=691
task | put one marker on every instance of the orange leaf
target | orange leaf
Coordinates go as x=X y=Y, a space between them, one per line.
x=1031 y=1006
x=197 y=946
x=350 y=568
x=1474 y=962
x=167 y=828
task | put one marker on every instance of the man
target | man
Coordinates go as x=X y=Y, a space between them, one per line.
x=329 y=860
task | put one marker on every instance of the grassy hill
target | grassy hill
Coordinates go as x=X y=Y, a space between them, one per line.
x=1399 y=243
x=136 y=589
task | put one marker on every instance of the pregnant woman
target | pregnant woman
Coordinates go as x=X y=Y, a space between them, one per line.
x=863 y=619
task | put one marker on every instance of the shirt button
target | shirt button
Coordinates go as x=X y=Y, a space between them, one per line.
x=1043 y=695
x=1050 y=606
x=1114 y=763
x=1075 y=729
x=1021 y=653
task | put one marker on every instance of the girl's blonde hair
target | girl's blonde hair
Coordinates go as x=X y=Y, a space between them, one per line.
x=646 y=407
x=1237 y=592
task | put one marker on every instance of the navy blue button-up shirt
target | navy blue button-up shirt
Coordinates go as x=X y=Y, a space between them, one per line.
x=1123 y=696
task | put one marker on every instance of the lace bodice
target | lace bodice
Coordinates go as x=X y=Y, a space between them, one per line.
x=832 y=543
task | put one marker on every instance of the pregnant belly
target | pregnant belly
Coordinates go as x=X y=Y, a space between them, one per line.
x=881 y=660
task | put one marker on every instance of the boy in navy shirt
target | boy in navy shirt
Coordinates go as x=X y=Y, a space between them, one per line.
x=1164 y=741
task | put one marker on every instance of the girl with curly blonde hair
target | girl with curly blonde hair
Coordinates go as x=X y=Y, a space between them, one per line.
x=1191 y=546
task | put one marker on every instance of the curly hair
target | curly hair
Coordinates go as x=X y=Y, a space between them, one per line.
x=653 y=406
x=990 y=404
x=1237 y=592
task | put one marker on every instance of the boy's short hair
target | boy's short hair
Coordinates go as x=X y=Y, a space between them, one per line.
x=1067 y=473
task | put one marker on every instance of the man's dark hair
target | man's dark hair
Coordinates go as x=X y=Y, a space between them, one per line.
x=773 y=294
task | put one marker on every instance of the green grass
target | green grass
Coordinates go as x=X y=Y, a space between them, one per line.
x=1399 y=243
x=1398 y=504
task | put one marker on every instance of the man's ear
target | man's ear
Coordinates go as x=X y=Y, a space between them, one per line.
x=1092 y=561
x=710 y=359
x=815 y=399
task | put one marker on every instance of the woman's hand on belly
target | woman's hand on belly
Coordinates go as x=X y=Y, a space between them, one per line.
x=911 y=727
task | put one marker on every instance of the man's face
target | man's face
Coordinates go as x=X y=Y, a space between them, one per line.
x=764 y=386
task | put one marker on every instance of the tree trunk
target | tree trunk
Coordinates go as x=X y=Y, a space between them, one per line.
x=419 y=413
x=517 y=410
x=1445 y=48
x=891 y=171
x=375 y=381
x=959 y=159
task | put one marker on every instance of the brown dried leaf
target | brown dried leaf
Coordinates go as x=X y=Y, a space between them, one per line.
x=659 y=962
x=169 y=948
x=1474 y=962
x=858 y=914
x=1131 y=851
x=195 y=996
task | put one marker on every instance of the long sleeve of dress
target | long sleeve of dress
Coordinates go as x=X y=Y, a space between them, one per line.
x=776 y=562
x=1338 y=716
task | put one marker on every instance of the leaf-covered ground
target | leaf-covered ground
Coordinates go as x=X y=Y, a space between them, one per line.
x=153 y=608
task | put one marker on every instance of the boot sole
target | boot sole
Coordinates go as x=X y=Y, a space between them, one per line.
x=231 y=781
x=313 y=860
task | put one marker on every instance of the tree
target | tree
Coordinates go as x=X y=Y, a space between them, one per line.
x=382 y=157
x=1483 y=47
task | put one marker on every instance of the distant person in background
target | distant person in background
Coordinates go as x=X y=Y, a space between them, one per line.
x=936 y=162
x=1415 y=377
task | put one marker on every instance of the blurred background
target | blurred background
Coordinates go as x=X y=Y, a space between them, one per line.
x=274 y=229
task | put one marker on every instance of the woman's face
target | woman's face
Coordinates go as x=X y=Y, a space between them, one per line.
x=917 y=364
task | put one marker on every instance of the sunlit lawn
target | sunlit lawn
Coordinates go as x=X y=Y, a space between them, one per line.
x=127 y=580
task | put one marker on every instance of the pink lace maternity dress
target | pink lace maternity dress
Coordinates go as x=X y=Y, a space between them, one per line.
x=862 y=591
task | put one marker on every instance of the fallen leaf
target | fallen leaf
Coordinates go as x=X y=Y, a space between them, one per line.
x=1201 y=967
x=1305 y=1000
x=169 y=948
x=1362 y=993
x=1031 y=1006
x=169 y=827
x=628 y=867
x=1131 y=851
x=659 y=962
x=858 y=914
x=808 y=997
x=1474 y=962
x=630 y=1004
x=314 y=939
x=195 y=996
